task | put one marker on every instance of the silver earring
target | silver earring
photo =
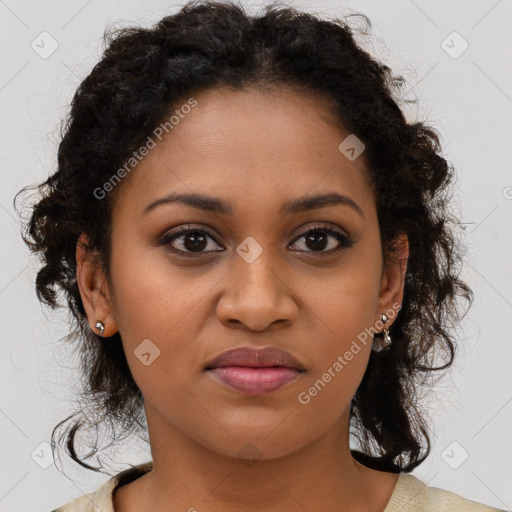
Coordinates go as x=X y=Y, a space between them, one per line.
x=100 y=326
x=387 y=337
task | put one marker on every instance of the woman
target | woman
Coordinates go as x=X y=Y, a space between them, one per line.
x=257 y=251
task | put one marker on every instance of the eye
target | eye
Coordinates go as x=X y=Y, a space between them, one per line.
x=188 y=240
x=318 y=239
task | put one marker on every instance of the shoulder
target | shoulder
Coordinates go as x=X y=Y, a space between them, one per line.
x=102 y=499
x=411 y=493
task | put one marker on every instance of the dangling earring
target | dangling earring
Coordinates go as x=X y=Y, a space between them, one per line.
x=100 y=326
x=387 y=337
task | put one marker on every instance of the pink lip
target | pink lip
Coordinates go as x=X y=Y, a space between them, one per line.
x=255 y=358
x=255 y=381
x=255 y=371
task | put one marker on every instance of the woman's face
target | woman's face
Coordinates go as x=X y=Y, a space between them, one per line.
x=252 y=277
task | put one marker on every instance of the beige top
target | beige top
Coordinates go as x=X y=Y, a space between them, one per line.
x=410 y=494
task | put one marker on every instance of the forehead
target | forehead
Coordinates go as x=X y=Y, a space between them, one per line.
x=248 y=145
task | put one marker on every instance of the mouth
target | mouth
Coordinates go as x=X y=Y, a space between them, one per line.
x=255 y=371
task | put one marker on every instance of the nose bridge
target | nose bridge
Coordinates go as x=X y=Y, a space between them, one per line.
x=257 y=294
x=254 y=271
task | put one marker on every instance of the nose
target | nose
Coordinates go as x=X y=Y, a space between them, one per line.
x=257 y=297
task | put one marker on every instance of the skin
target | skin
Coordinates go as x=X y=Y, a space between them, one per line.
x=254 y=149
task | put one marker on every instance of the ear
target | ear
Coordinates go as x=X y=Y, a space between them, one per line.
x=93 y=287
x=393 y=279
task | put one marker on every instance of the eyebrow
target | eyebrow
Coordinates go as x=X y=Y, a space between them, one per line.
x=216 y=205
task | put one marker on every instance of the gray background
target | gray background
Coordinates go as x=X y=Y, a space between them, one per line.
x=468 y=99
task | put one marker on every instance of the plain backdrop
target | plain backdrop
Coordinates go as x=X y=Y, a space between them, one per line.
x=465 y=93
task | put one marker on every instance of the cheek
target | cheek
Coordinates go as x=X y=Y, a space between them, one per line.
x=141 y=293
x=343 y=310
x=345 y=302
x=153 y=297
x=341 y=358
x=160 y=315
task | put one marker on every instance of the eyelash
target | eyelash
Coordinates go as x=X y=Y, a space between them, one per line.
x=345 y=241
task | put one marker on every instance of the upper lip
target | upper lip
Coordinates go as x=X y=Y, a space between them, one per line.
x=255 y=358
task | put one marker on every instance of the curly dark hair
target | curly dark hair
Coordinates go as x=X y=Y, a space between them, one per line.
x=141 y=77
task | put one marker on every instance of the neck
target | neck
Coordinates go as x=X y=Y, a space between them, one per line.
x=320 y=476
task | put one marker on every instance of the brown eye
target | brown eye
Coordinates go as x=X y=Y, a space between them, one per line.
x=319 y=238
x=319 y=241
x=188 y=241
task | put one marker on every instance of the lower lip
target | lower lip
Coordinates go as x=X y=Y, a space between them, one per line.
x=255 y=381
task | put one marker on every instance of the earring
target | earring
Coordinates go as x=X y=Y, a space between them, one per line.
x=387 y=337
x=100 y=326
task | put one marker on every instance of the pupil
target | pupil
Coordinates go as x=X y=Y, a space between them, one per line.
x=314 y=238
x=197 y=241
